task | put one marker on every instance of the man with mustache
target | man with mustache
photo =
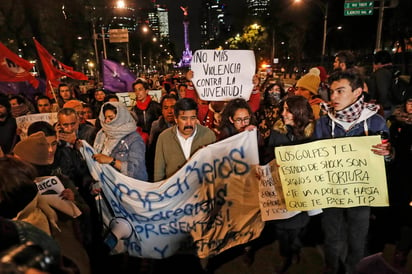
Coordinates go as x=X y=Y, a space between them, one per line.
x=176 y=144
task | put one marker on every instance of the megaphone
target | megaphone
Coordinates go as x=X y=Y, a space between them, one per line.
x=119 y=229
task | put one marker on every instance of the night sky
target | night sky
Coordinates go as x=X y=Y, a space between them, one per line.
x=358 y=32
x=176 y=20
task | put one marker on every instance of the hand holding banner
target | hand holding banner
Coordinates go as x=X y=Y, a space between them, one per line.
x=212 y=198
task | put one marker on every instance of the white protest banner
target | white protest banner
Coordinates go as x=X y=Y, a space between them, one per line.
x=129 y=98
x=23 y=122
x=51 y=187
x=223 y=75
x=340 y=172
x=212 y=198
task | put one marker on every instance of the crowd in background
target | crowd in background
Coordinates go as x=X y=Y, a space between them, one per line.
x=153 y=139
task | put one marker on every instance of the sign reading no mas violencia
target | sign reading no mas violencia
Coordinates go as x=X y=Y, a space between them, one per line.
x=222 y=75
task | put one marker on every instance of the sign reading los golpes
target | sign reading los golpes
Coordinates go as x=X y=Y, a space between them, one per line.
x=340 y=172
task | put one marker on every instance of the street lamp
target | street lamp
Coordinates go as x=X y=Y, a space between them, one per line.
x=324 y=6
x=120 y=4
x=144 y=29
x=329 y=30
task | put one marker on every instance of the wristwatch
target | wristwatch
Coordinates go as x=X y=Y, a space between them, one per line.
x=113 y=162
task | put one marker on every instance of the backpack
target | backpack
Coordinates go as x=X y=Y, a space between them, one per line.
x=400 y=88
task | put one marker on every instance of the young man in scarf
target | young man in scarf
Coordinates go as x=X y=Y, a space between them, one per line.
x=145 y=111
x=345 y=229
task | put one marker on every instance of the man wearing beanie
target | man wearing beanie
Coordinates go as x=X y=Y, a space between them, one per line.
x=308 y=86
x=8 y=126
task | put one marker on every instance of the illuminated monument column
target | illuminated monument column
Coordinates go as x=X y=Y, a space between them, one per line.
x=187 y=53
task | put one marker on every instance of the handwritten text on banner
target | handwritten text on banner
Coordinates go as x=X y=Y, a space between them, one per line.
x=341 y=172
x=222 y=75
x=212 y=198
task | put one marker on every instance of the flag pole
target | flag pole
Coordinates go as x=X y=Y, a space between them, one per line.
x=54 y=94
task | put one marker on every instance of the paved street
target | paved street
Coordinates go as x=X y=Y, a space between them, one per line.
x=268 y=260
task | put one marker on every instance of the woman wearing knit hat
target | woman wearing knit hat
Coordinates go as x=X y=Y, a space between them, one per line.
x=323 y=90
x=308 y=87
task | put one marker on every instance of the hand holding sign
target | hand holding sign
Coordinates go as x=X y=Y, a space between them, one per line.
x=57 y=195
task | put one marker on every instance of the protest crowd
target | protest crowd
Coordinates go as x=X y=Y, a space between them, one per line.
x=154 y=136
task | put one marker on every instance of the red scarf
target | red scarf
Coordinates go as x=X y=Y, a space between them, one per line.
x=143 y=105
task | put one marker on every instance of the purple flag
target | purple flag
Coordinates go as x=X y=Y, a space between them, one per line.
x=117 y=78
x=15 y=88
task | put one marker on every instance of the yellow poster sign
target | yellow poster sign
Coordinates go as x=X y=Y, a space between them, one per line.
x=341 y=172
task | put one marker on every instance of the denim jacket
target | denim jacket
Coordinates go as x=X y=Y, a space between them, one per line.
x=131 y=150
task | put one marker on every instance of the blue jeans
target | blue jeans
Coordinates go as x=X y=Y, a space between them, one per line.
x=345 y=231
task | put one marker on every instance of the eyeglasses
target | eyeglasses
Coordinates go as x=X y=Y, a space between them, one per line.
x=240 y=120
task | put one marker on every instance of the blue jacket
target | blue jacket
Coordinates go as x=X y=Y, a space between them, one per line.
x=369 y=123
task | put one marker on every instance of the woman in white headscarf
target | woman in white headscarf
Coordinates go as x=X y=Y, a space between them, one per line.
x=118 y=143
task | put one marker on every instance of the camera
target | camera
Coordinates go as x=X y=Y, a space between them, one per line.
x=20 y=258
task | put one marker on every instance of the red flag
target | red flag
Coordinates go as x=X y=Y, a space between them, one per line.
x=15 y=69
x=54 y=69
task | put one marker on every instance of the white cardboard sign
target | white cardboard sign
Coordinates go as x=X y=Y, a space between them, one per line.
x=223 y=75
